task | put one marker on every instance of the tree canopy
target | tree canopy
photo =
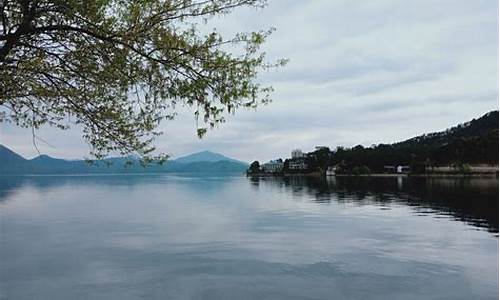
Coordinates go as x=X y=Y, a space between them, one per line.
x=118 y=68
x=473 y=142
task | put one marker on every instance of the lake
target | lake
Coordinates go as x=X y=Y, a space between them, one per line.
x=232 y=237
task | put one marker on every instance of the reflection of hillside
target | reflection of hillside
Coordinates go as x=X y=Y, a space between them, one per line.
x=9 y=185
x=471 y=200
x=204 y=183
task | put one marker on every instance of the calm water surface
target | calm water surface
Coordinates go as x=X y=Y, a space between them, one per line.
x=168 y=237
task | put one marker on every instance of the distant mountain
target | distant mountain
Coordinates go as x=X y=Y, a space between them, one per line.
x=221 y=166
x=205 y=156
x=9 y=156
x=9 y=160
x=208 y=162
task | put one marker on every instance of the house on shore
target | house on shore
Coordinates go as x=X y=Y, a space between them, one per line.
x=297 y=165
x=403 y=169
x=298 y=161
x=273 y=166
x=330 y=171
x=297 y=154
x=399 y=169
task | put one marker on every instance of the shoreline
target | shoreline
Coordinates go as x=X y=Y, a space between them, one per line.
x=430 y=175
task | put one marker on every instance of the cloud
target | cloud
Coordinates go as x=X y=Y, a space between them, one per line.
x=360 y=72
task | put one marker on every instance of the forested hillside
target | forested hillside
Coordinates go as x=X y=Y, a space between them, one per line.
x=473 y=142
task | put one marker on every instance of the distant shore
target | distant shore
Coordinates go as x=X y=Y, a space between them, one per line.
x=318 y=174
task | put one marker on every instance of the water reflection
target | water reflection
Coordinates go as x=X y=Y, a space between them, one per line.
x=471 y=200
x=173 y=237
x=11 y=184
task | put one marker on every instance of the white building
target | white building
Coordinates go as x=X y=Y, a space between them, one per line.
x=273 y=166
x=403 y=169
x=330 y=171
x=297 y=153
x=299 y=164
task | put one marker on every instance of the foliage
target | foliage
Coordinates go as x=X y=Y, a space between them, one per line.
x=119 y=68
x=360 y=170
x=476 y=142
x=254 y=167
x=463 y=168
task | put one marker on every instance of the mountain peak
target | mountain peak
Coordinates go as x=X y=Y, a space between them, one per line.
x=206 y=152
x=44 y=157
x=8 y=155
x=204 y=156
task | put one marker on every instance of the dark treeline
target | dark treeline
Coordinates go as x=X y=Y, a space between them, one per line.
x=474 y=142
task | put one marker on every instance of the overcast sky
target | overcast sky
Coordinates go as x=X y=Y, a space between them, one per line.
x=360 y=72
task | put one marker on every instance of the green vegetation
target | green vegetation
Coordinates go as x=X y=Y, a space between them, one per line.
x=119 y=68
x=474 y=142
x=254 y=168
x=360 y=170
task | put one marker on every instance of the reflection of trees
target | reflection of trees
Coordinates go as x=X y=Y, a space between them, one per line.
x=471 y=200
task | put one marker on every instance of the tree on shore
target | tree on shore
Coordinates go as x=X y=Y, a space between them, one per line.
x=119 y=68
x=254 y=167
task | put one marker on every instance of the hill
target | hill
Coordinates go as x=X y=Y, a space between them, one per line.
x=472 y=143
x=12 y=163
x=475 y=128
x=204 y=156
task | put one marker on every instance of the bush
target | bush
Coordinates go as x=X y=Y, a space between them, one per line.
x=360 y=170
